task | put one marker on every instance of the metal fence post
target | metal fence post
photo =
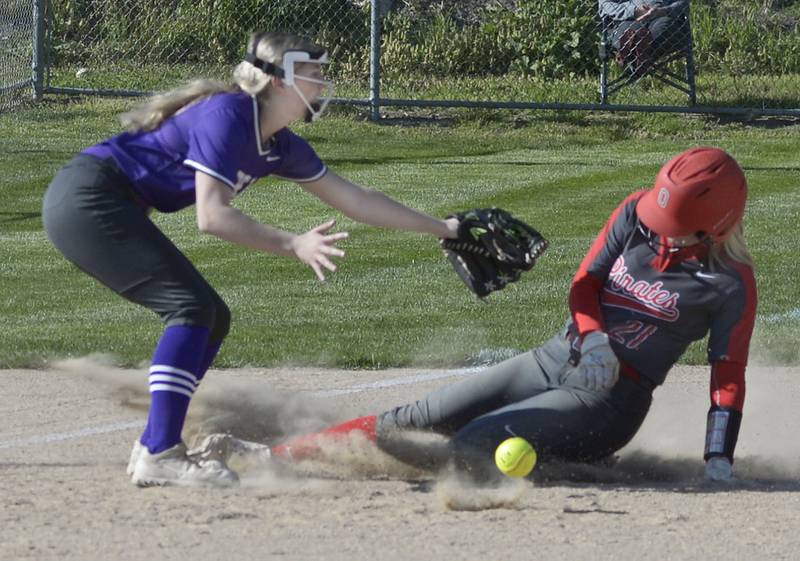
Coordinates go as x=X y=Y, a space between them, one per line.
x=562 y=77
x=37 y=64
x=375 y=60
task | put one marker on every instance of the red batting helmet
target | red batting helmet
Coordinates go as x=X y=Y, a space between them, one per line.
x=701 y=191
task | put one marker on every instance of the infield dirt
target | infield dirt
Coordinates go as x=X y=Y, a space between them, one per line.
x=65 y=436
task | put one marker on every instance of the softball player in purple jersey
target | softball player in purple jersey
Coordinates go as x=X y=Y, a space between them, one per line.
x=204 y=144
x=670 y=266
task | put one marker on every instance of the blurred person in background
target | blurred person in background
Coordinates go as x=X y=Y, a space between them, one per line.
x=643 y=31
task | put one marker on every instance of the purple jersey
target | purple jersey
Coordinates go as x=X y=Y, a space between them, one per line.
x=219 y=136
x=651 y=316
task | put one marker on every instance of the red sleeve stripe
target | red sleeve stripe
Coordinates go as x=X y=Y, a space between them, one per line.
x=727 y=384
x=739 y=341
x=584 y=294
x=584 y=304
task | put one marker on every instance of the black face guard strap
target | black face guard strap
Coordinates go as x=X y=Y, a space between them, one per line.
x=655 y=243
x=263 y=65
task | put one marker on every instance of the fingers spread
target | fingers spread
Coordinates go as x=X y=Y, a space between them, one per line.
x=336 y=237
x=327 y=263
x=318 y=271
x=324 y=227
x=328 y=250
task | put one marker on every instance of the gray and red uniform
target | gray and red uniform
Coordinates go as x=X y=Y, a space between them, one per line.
x=651 y=310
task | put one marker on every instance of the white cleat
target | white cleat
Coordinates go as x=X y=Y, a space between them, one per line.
x=135 y=453
x=175 y=467
x=226 y=448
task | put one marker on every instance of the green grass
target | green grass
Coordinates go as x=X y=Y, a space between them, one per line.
x=713 y=89
x=394 y=300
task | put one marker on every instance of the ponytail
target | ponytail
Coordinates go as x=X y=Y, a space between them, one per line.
x=149 y=116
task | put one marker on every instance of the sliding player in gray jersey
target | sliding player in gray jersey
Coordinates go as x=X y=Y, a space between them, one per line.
x=670 y=266
x=203 y=145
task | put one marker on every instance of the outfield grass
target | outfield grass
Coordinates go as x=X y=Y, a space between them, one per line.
x=713 y=89
x=394 y=300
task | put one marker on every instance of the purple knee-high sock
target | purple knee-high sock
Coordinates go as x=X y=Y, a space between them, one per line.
x=174 y=374
x=208 y=359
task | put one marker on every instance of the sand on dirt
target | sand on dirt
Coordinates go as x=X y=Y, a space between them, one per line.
x=66 y=433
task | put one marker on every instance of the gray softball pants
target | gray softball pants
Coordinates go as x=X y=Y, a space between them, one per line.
x=91 y=215
x=533 y=396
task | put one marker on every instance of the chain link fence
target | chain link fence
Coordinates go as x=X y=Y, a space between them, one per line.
x=736 y=56
x=17 y=30
x=134 y=46
x=704 y=55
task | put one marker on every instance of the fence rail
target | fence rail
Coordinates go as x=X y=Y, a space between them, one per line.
x=715 y=56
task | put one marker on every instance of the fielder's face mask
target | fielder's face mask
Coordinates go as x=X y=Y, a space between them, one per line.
x=288 y=72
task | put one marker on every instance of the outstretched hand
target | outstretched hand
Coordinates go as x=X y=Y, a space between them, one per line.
x=315 y=247
x=452 y=227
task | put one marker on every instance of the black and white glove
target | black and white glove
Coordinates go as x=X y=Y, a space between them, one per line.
x=598 y=368
x=492 y=249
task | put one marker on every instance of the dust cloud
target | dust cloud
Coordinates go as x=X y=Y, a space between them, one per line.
x=667 y=449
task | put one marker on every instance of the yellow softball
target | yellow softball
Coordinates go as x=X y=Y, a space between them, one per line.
x=515 y=457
